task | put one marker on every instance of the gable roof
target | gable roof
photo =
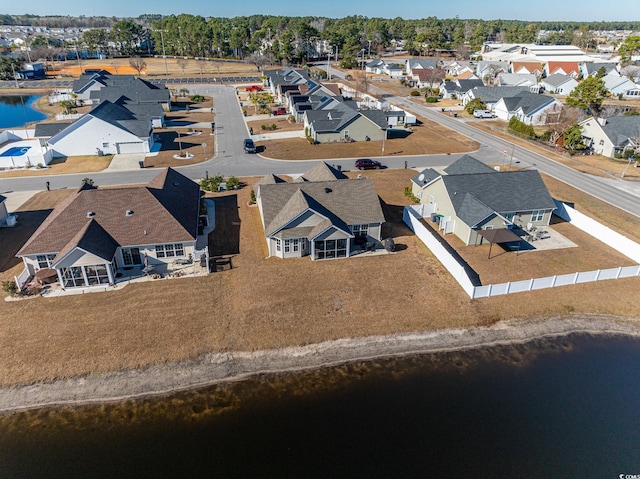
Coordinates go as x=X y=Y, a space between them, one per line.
x=620 y=128
x=527 y=102
x=467 y=165
x=567 y=67
x=420 y=63
x=425 y=176
x=557 y=79
x=338 y=118
x=475 y=196
x=165 y=210
x=491 y=94
x=517 y=79
x=529 y=66
x=93 y=239
x=591 y=68
x=324 y=172
x=343 y=202
x=123 y=118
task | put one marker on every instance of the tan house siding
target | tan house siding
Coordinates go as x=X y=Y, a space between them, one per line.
x=358 y=130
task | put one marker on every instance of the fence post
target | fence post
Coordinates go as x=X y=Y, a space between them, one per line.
x=619 y=271
x=575 y=278
x=597 y=275
x=530 y=284
x=553 y=281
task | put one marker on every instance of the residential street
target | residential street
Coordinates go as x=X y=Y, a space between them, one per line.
x=230 y=158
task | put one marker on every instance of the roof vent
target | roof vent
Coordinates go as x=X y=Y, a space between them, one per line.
x=327 y=190
x=90 y=214
x=128 y=212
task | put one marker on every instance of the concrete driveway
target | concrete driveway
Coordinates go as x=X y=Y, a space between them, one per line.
x=126 y=162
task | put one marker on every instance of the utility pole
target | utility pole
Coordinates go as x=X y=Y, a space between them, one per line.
x=329 y=65
x=15 y=77
x=164 y=54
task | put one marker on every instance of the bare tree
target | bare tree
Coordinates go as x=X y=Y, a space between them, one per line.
x=362 y=81
x=559 y=118
x=182 y=63
x=138 y=64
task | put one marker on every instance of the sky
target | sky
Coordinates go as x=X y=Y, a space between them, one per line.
x=537 y=10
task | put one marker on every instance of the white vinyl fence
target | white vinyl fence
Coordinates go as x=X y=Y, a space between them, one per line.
x=622 y=244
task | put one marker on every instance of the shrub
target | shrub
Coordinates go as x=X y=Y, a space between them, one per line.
x=431 y=99
x=252 y=200
x=233 y=182
x=475 y=104
x=196 y=98
x=520 y=127
x=415 y=93
x=212 y=183
x=409 y=194
x=10 y=287
x=39 y=166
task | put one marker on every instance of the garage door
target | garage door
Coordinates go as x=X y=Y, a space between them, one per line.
x=132 y=147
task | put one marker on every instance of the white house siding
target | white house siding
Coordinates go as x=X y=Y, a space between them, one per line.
x=501 y=111
x=87 y=135
x=596 y=139
x=78 y=257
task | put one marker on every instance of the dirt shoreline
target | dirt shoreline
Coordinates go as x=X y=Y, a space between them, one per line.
x=213 y=368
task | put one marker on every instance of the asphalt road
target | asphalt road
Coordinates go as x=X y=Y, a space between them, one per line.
x=230 y=158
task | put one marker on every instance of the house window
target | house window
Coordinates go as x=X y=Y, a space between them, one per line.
x=330 y=249
x=601 y=142
x=105 y=145
x=488 y=227
x=97 y=274
x=169 y=250
x=44 y=260
x=360 y=230
x=537 y=215
x=72 y=277
x=278 y=245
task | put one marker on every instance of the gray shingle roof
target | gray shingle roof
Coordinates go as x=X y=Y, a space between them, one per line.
x=528 y=102
x=165 y=210
x=473 y=196
x=425 y=176
x=344 y=202
x=492 y=94
x=47 y=130
x=467 y=165
x=620 y=128
x=557 y=79
x=122 y=117
x=324 y=172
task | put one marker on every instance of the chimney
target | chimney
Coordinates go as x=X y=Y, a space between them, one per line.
x=602 y=121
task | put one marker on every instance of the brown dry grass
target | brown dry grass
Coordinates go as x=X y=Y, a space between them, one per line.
x=425 y=139
x=281 y=122
x=592 y=164
x=156 y=67
x=267 y=303
x=63 y=166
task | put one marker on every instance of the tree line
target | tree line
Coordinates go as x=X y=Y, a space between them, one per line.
x=294 y=40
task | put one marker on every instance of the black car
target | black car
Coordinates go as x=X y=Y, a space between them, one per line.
x=249 y=146
x=367 y=164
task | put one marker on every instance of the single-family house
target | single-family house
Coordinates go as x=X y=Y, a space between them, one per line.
x=345 y=124
x=324 y=214
x=470 y=197
x=621 y=86
x=394 y=70
x=559 y=84
x=564 y=68
x=612 y=136
x=457 y=88
x=109 y=128
x=31 y=71
x=489 y=71
x=490 y=95
x=591 y=69
x=526 y=67
x=419 y=64
x=95 y=232
x=375 y=66
x=516 y=79
x=529 y=108
x=426 y=77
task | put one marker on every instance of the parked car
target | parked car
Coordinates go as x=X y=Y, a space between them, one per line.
x=254 y=88
x=367 y=164
x=483 y=114
x=249 y=146
x=279 y=111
